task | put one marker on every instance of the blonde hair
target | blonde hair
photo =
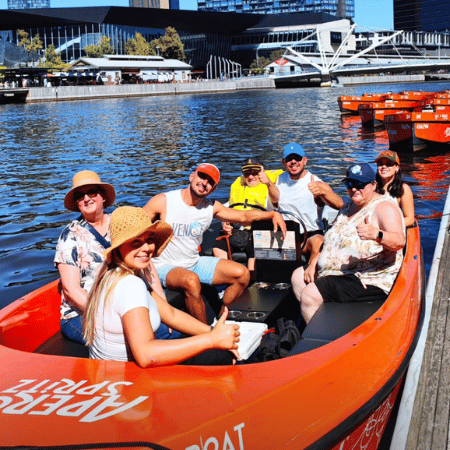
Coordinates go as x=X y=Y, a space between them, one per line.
x=106 y=280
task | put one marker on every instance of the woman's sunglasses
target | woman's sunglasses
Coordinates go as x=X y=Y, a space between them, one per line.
x=350 y=184
x=91 y=194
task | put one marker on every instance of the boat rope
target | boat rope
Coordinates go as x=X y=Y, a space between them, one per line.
x=97 y=445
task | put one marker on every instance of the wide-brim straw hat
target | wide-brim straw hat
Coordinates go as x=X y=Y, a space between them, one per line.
x=88 y=178
x=128 y=222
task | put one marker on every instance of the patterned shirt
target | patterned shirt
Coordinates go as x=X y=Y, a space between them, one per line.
x=78 y=247
x=344 y=253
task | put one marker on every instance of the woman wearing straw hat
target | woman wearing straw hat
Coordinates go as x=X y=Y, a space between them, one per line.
x=123 y=313
x=390 y=182
x=80 y=247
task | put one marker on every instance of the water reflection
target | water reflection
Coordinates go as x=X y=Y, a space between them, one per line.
x=143 y=146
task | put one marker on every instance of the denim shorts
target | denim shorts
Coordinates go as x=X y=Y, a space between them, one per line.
x=205 y=268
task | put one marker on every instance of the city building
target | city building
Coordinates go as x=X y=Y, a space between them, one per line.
x=422 y=15
x=164 y=4
x=339 y=8
x=236 y=37
x=28 y=4
x=131 y=69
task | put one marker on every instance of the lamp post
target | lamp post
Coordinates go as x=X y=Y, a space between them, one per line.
x=157 y=49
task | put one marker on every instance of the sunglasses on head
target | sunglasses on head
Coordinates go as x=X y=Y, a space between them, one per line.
x=290 y=158
x=91 y=193
x=350 y=184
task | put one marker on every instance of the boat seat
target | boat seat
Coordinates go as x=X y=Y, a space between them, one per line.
x=61 y=346
x=332 y=321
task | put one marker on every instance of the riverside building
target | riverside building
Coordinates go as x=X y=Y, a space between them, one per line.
x=28 y=4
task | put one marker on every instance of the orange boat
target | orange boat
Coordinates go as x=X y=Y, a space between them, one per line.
x=431 y=128
x=373 y=114
x=312 y=399
x=412 y=95
x=350 y=104
x=403 y=131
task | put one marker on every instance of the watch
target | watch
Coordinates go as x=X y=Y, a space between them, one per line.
x=380 y=235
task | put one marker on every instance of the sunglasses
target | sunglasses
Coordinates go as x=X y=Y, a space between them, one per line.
x=247 y=173
x=290 y=158
x=91 y=194
x=386 y=163
x=359 y=185
x=206 y=177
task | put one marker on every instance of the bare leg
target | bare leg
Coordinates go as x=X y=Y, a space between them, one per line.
x=219 y=253
x=310 y=301
x=234 y=274
x=189 y=282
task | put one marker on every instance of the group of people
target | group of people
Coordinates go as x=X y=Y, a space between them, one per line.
x=114 y=267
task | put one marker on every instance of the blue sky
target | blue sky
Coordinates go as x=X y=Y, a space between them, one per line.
x=370 y=13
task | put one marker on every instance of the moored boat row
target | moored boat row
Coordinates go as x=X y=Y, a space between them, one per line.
x=413 y=120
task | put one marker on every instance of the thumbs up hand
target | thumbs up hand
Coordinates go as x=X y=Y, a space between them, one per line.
x=366 y=231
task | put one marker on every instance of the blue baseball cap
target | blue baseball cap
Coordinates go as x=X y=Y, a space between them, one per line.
x=360 y=172
x=293 y=149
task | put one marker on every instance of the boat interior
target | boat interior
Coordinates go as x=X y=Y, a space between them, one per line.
x=267 y=298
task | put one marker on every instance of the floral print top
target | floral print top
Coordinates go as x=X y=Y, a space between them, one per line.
x=344 y=253
x=78 y=247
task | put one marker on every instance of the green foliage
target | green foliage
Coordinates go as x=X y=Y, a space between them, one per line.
x=32 y=46
x=275 y=54
x=53 y=59
x=257 y=66
x=36 y=44
x=103 y=47
x=170 y=45
x=24 y=38
x=137 y=46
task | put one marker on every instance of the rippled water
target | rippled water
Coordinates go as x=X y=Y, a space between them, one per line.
x=146 y=145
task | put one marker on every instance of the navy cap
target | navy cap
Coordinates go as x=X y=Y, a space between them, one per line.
x=360 y=172
x=293 y=149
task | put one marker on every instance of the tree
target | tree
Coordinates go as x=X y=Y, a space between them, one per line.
x=53 y=59
x=137 y=46
x=257 y=66
x=36 y=44
x=275 y=54
x=24 y=38
x=103 y=47
x=170 y=45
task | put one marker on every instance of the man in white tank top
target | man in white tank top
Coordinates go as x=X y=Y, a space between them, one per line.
x=303 y=195
x=189 y=212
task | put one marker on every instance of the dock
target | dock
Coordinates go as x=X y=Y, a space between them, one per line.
x=424 y=413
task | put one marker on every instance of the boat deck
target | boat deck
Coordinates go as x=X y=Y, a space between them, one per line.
x=424 y=416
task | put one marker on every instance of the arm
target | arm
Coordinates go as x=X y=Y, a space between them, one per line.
x=388 y=220
x=274 y=192
x=151 y=352
x=156 y=207
x=247 y=217
x=322 y=190
x=407 y=205
x=70 y=281
x=153 y=280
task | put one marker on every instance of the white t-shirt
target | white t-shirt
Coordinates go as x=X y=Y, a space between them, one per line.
x=188 y=223
x=109 y=341
x=295 y=197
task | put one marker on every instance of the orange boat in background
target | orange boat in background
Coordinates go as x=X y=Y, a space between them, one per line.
x=373 y=114
x=419 y=129
x=335 y=391
x=350 y=104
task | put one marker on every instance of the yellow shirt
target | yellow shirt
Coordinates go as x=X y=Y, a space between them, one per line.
x=256 y=195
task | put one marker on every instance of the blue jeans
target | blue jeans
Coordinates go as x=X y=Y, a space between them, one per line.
x=73 y=329
x=163 y=333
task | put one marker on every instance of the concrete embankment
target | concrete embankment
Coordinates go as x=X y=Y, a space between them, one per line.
x=66 y=93
x=375 y=79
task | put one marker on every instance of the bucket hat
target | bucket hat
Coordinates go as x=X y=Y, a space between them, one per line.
x=128 y=222
x=390 y=155
x=360 y=172
x=88 y=178
x=211 y=170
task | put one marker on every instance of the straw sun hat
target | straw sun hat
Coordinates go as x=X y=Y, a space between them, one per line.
x=128 y=222
x=88 y=178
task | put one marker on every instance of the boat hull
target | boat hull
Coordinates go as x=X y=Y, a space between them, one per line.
x=311 y=400
x=13 y=96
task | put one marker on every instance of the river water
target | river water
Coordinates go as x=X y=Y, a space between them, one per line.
x=146 y=145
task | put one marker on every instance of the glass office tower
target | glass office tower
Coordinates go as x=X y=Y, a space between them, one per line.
x=422 y=15
x=340 y=8
x=28 y=4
